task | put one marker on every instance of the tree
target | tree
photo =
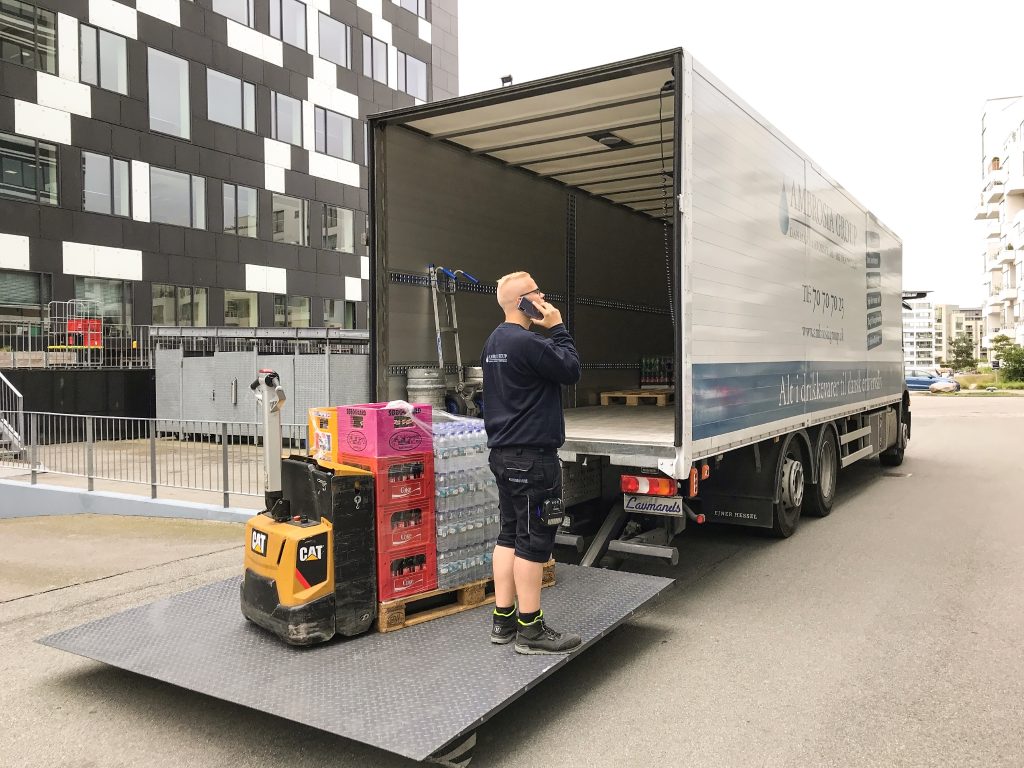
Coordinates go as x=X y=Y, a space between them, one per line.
x=961 y=354
x=999 y=343
x=1012 y=368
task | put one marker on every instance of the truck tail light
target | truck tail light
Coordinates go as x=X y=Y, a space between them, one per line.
x=649 y=486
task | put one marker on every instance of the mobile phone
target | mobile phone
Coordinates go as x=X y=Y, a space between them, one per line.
x=527 y=308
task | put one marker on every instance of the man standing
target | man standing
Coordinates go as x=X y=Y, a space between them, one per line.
x=523 y=375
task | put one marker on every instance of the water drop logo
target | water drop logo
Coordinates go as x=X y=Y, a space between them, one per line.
x=784 y=211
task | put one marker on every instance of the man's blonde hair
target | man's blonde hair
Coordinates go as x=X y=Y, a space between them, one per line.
x=511 y=276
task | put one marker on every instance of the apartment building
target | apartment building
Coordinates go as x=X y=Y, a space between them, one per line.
x=1001 y=216
x=919 y=334
x=953 y=321
x=169 y=162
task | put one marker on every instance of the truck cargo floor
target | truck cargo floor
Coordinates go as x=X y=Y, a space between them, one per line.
x=446 y=671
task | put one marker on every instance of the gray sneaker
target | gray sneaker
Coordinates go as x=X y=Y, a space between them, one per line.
x=503 y=628
x=538 y=638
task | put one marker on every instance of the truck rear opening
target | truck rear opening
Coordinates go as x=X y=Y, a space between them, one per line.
x=575 y=185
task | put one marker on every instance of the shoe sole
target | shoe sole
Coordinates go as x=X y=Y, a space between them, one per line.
x=502 y=640
x=528 y=651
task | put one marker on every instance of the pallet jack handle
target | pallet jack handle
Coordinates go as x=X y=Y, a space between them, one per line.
x=271 y=397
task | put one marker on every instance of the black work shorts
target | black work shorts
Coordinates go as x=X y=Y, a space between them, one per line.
x=526 y=477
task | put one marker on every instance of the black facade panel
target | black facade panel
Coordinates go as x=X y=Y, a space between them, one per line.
x=250 y=146
x=191 y=46
x=125 y=142
x=329 y=192
x=92 y=135
x=349 y=264
x=300 y=160
x=298 y=61
x=231 y=276
x=347 y=12
x=253 y=70
x=19 y=218
x=158 y=150
x=97 y=229
x=227 y=247
x=252 y=251
x=300 y=185
x=328 y=263
x=214 y=164
x=6 y=111
x=142 y=309
x=215 y=306
x=142 y=235
x=265 y=303
x=303 y=284
x=154 y=268
x=171 y=240
x=204 y=132
x=348 y=80
x=179 y=270
x=249 y=173
x=134 y=114
x=307 y=260
x=186 y=157
x=204 y=272
x=47 y=255
x=225 y=139
x=199 y=244
x=156 y=34
x=193 y=19
x=106 y=107
x=63 y=287
x=70 y=177
x=284 y=256
x=228 y=60
x=19 y=82
x=126 y=393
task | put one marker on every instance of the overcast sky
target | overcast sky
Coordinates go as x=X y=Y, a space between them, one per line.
x=885 y=96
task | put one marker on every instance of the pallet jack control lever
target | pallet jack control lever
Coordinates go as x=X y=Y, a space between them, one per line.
x=270 y=395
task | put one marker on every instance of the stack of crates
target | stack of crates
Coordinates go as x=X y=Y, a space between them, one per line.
x=397 y=448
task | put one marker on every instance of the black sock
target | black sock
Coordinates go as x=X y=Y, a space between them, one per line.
x=529 y=618
x=504 y=612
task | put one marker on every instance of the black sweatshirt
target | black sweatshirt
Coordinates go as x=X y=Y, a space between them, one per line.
x=523 y=375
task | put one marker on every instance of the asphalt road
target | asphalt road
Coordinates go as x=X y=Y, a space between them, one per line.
x=888 y=634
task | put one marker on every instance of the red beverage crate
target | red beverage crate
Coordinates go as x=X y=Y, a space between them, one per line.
x=376 y=431
x=398 y=479
x=401 y=526
x=407 y=573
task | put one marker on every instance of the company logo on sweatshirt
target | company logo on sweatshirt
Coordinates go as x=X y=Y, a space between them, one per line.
x=497 y=358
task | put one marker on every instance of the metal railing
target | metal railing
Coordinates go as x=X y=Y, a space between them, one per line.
x=12 y=419
x=218 y=457
x=37 y=344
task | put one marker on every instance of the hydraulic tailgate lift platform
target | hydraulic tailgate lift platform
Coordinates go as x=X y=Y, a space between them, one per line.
x=414 y=692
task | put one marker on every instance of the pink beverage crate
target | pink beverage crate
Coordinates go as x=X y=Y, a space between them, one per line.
x=376 y=431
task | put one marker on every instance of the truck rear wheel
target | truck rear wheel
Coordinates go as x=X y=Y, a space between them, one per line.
x=790 y=487
x=822 y=494
x=893 y=457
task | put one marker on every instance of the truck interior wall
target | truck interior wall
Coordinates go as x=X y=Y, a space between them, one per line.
x=445 y=206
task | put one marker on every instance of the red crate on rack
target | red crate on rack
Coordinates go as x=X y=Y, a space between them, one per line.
x=405 y=525
x=411 y=572
x=398 y=479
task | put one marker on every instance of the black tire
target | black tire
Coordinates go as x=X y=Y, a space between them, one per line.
x=893 y=457
x=786 y=515
x=822 y=494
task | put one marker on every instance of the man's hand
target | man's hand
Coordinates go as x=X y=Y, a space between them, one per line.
x=552 y=316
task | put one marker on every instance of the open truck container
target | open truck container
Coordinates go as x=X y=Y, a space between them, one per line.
x=664 y=216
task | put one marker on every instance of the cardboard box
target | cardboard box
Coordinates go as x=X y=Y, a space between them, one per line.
x=376 y=431
x=323 y=434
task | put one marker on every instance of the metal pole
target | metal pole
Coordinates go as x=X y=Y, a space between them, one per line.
x=152 y=459
x=224 y=461
x=33 y=421
x=89 y=451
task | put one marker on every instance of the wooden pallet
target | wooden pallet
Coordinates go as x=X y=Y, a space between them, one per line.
x=660 y=397
x=416 y=609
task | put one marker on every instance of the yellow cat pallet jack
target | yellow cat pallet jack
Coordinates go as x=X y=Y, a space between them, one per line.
x=310 y=557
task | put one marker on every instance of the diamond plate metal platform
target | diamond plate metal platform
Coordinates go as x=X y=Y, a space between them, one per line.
x=446 y=670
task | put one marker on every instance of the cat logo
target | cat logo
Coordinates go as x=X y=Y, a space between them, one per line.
x=258 y=543
x=311 y=554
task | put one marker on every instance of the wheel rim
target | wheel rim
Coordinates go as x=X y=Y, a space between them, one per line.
x=827 y=468
x=793 y=482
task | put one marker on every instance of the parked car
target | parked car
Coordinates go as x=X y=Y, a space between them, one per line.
x=924 y=378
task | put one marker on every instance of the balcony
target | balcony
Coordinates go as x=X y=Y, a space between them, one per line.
x=995 y=185
x=982 y=212
x=1007 y=255
x=1007 y=293
x=1014 y=184
x=993 y=304
x=993 y=229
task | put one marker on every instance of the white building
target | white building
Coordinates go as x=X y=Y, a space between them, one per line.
x=919 y=334
x=1001 y=216
x=953 y=321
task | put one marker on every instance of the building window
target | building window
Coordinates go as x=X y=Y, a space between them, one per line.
x=111 y=299
x=105 y=186
x=168 y=94
x=240 y=309
x=28 y=36
x=338 y=235
x=419 y=7
x=333 y=133
x=290 y=217
x=240 y=10
x=23 y=295
x=335 y=41
x=288 y=22
x=104 y=59
x=412 y=76
x=29 y=169
x=285 y=118
x=230 y=101
x=177 y=198
x=339 y=313
x=240 y=210
x=291 y=311
x=375 y=59
x=179 y=305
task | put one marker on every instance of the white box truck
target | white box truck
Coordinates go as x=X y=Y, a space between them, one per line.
x=667 y=219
